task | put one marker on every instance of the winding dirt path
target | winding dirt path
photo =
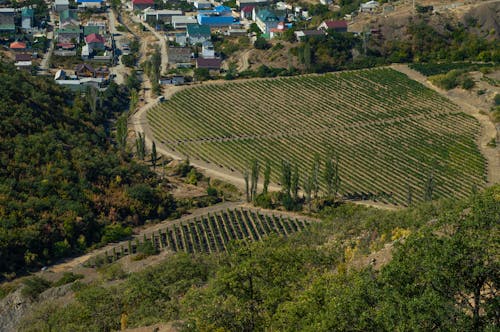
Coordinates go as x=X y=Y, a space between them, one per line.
x=488 y=129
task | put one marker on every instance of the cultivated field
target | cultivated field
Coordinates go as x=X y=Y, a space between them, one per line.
x=212 y=232
x=390 y=132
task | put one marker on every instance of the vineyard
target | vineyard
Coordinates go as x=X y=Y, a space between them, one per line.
x=213 y=232
x=391 y=133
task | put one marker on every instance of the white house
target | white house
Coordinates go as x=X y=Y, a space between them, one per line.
x=60 y=5
x=181 y=22
x=207 y=50
x=369 y=7
x=202 y=4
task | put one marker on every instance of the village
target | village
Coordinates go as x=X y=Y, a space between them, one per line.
x=79 y=45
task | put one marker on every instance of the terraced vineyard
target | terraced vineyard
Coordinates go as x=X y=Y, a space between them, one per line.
x=214 y=231
x=389 y=131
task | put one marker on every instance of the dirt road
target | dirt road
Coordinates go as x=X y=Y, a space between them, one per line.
x=469 y=106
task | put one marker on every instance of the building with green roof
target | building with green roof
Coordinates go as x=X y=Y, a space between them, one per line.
x=197 y=34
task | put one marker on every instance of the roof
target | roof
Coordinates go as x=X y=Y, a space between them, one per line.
x=267 y=16
x=27 y=12
x=83 y=66
x=7 y=10
x=90 y=29
x=198 y=30
x=95 y=38
x=68 y=14
x=17 y=45
x=208 y=63
x=23 y=57
x=221 y=8
x=69 y=30
x=247 y=9
x=66 y=45
x=143 y=2
x=336 y=24
x=94 y=1
x=312 y=32
x=61 y=2
x=184 y=19
x=23 y=63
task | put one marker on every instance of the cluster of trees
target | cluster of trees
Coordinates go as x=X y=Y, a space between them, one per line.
x=64 y=185
x=152 y=68
x=443 y=276
x=291 y=183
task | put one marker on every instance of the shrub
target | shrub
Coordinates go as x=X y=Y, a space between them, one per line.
x=114 y=233
x=264 y=201
x=468 y=83
x=34 y=286
x=112 y=272
x=68 y=277
x=261 y=43
x=496 y=100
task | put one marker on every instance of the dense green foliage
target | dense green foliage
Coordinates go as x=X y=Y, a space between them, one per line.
x=443 y=276
x=431 y=69
x=388 y=132
x=63 y=186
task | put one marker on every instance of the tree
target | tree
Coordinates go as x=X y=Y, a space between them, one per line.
x=295 y=182
x=315 y=174
x=261 y=43
x=286 y=177
x=429 y=187
x=140 y=146
x=267 y=177
x=307 y=55
x=307 y=184
x=154 y=156
x=121 y=132
x=331 y=175
x=254 y=179
x=247 y=187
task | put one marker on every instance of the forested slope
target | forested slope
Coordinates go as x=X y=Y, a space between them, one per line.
x=63 y=185
x=443 y=276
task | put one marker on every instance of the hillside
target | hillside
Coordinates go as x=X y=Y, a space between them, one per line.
x=443 y=276
x=389 y=133
x=63 y=186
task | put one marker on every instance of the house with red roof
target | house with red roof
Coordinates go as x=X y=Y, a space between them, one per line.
x=246 y=12
x=17 y=46
x=95 y=42
x=142 y=4
x=213 y=65
x=337 y=26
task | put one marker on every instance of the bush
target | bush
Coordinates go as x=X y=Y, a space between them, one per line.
x=34 y=286
x=212 y=192
x=496 y=100
x=264 y=201
x=115 y=233
x=68 y=277
x=468 y=83
x=261 y=43
x=112 y=272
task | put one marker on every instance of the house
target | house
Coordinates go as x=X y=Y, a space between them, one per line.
x=213 y=65
x=219 y=16
x=207 y=50
x=70 y=34
x=102 y=72
x=68 y=17
x=24 y=65
x=95 y=41
x=337 y=26
x=278 y=31
x=60 y=5
x=7 y=20
x=181 y=22
x=301 y=34
x=174 y=80
x=84 y=70
x=86 y=51
x=27 y=18
x=246 y=12
x=179 y=56
x=18 y=46
x=142 y=4
x=181 y=39
x=369 y=7
x=253 y=3
x=266 y=19
x=202 y=4
x=95 y=4
x=197 y=33
x=165 y=15
x=23 y=57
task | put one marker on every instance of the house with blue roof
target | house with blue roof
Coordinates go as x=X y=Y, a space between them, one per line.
x=219 y=16
x=267 y=19
x=198 y=34
x=7 y=20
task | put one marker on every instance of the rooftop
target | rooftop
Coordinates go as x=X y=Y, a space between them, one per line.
x=95 y=38
x=143 y=2
x=208 y=63
x=17 y=45
x=336 y=24
x=196 y=30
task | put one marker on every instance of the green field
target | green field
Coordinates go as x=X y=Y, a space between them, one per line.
x=389 y=131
